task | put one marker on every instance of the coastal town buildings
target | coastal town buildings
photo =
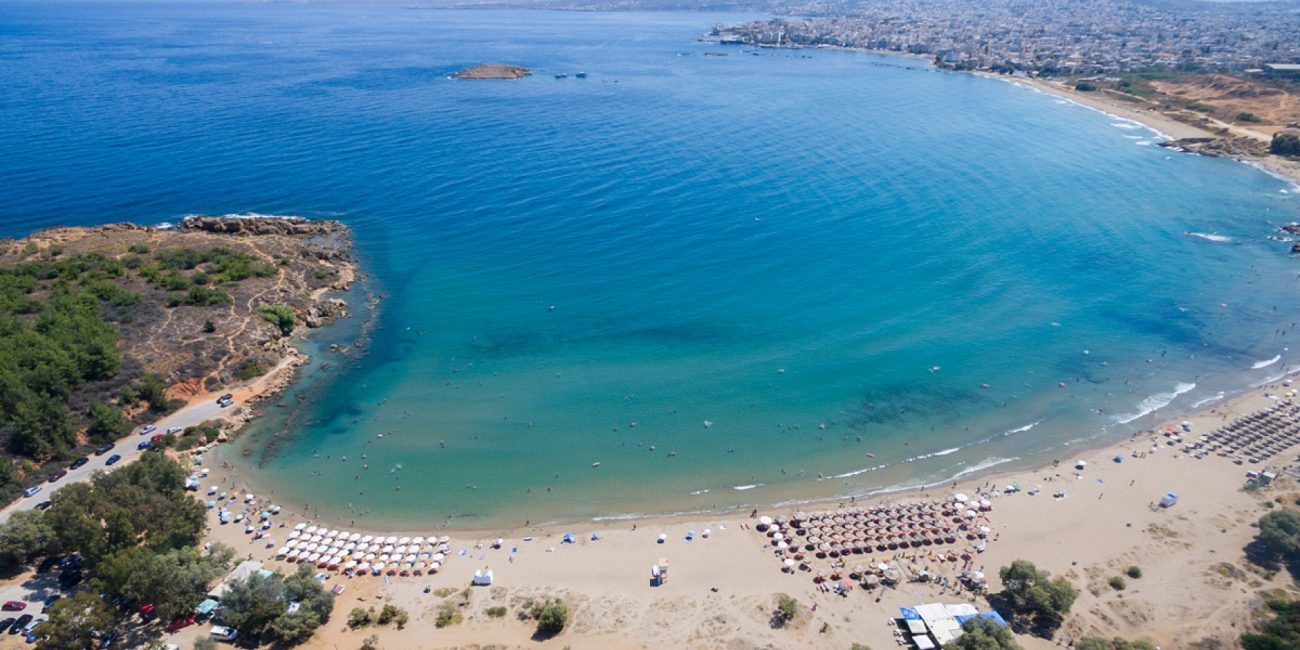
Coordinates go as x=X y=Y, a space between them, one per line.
x=1055 y=36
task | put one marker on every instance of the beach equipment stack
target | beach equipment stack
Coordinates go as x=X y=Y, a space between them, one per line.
x=1255 y=438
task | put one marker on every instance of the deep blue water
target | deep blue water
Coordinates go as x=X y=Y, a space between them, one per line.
x=822 y=254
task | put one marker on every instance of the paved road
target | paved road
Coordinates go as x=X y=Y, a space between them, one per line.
x=190 y=415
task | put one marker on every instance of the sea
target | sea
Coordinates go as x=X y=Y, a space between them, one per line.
x=700 y=278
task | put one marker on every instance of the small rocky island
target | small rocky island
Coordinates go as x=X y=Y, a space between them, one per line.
x=493 y=71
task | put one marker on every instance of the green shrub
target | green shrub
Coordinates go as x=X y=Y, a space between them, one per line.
x=280 y=316
x=1117 y=583
x=786 y=608
x=552 y=619
x=358 y=618
x=496 y=612
x=370 y=643
x=448 y=615
x=1134 y=572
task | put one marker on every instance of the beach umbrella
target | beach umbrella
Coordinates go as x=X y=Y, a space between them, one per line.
x=765 y=520
x=284 y=550
x=782 y=545
x=439 y=557
x=404 y=540
x=444 y=539
x=960 y=498
x=417 y=540
x=299 y=527
x=368 y=538
x=368 y=557
x=789 y=563
x=363 y=567
x=663 y=537
x=971 y=514
x=391 y=540
x=354 y=537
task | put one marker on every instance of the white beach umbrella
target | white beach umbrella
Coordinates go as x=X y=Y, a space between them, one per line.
x=404 y=540
x=354 y=537
x=311 y=530
x=284 y=550
x=410 y=558
x=363 y=567
x=782 y=545
x=300 y=526
x=961 y=498
x=765 y=520
x=971 y=514
x=368 y=538
x=439 y=557
x=248 y=497
x=293 y=534
x=400 y=550
x=417 y=540
x=275 y=510
x=350 y=564
x=368 y=557
x=444 y=539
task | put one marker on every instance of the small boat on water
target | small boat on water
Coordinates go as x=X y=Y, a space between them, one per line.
x=596 y=464
x=561 y=75
x=581 y=75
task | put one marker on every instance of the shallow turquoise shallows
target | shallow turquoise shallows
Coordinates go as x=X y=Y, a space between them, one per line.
x=729 y=280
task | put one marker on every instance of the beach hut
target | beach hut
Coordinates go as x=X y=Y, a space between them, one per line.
x=482 y=578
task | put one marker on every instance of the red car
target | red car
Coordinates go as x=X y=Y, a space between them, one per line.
x=180 y=623
x=156 y=438
x=14 y=606
x=146 y=610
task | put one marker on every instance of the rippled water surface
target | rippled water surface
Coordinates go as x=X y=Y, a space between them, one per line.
x=718 y=276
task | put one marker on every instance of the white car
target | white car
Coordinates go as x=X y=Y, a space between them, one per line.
x=148 y=428
x=174 y=429
x=223 y=633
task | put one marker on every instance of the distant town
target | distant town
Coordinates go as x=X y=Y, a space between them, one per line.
x=1048 y=37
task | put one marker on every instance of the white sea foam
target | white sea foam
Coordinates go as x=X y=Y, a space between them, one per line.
x=1155 y=403
x=630 y=515
x=981 y=466
x=1213 y=398
x=1126 y=125
x=742 y=488
x=1265 y=363
x=696 y=493
x=1143 y=143
x=1208 y=236
x=864 y=470
x=1011 y=432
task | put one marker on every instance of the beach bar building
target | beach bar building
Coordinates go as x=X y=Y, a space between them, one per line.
x=244 y=570
x=935 y=625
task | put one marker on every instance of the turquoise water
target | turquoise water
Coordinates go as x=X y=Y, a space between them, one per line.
x=822 y=254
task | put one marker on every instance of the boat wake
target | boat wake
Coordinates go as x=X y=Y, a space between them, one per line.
x=1155 y=403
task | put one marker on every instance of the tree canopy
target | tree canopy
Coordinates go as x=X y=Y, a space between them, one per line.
x=1032 y=598
x=1095 y=643
x=1280 y=633
x=258 y=606
x=174 y=582
x=984 y=634
x=76 y=622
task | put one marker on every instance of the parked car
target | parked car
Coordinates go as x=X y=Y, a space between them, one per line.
x=47 y=564
x=226 y=398
x=4 y=625
x=174 y=429
x=146 y=611
x=144 y=445
x=69 y=578
x=113 y=459
x=45 y=607
x=44 y=505
x=31 y=626
x=31 y=491
x=79 y=462
x=13 y=606
x=223 y=633
x=19 y=624
x=104 y=449
x=148 y=428
x=180 y=623
x=58 y=475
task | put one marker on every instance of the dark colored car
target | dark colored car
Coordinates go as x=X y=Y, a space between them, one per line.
x=44 y=505
x=79 y=462
x=13 y=606
x=58 y=475
x=45 y=607
x=104 y=449
x=144 y=445
x=47 y=564
x=112 y=459
x=69 y=578
x=20 y=623
x=4 y=625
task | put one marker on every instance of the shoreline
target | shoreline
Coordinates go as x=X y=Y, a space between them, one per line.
x=601 y=577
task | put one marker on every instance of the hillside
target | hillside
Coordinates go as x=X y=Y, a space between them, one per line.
x=104 y=327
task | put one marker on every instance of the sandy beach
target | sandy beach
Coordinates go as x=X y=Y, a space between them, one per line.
x=1288 y=170
x=1195 y=585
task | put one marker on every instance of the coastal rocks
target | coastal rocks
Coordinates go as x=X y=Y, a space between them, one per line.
x=250 y=226
x=493 y=71
x=322 y=313
x=1219 y=147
